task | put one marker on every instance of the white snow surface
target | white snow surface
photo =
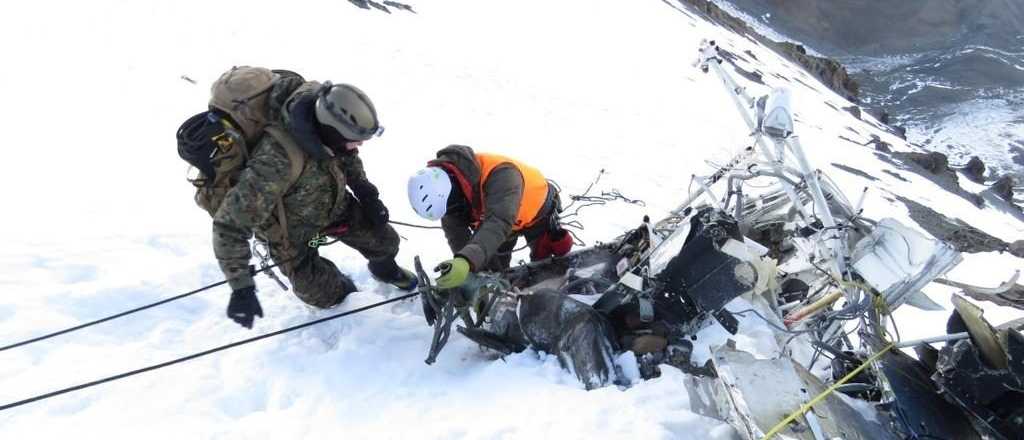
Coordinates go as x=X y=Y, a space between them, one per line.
x=99 y=217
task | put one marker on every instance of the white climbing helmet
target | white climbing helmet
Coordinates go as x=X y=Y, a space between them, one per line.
x=428 y=192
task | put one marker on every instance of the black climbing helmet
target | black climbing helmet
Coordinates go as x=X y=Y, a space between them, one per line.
x=348 y=110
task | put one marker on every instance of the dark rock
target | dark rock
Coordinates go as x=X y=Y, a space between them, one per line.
x=934 y=166
x=378 y=6
x=975 y=169
x=398 y=5
x=1016 y=248
x=958 y=233
x=933 y=161
x=1004 y=188
x=853 y=110
x=360 y=3
x=900 y=131
x=880 y=114
x=879 y=144
x=828 y=71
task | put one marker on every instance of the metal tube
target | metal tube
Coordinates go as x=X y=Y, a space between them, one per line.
x=736 y=92
x=812 y=308
x=711 y=195
x=933 y=339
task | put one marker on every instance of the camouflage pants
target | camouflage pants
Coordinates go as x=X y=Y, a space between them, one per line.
x=316 y=280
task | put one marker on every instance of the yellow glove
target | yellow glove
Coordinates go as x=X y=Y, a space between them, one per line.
x=453 y=273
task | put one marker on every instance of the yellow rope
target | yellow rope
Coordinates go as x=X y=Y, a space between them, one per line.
x=807 y=406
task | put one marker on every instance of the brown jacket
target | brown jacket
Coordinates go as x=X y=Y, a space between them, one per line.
x=502 y=195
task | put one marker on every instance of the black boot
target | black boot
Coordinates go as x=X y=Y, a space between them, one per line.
x=387 y=271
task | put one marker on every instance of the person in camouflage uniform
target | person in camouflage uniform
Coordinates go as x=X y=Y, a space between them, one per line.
x=318 y=203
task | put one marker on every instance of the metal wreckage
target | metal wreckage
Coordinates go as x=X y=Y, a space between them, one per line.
x=809 y=265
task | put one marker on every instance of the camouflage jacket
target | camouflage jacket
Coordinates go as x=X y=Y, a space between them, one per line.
x=316 y=200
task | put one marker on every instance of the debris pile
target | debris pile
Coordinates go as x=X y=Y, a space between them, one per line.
x=771 y=229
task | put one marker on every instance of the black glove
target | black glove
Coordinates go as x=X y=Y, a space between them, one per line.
x=369 y=199
x=244 y=306
x=376 y=213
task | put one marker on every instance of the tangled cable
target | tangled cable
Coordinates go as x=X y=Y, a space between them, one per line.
x=570 y=213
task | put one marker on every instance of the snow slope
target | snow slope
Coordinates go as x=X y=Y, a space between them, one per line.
x=99 y=217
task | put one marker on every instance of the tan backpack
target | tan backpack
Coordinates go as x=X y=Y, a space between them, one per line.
x=219 y=147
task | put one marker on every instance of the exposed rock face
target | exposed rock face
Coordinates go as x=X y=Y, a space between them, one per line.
x=1004 y=188
x=975 y=169
x=935 y=167
x=935 y=163
x=868 y=27
x=827 y=70
x=958 y=233
x=1017 y=248
x=880 y=114
x=900 y=131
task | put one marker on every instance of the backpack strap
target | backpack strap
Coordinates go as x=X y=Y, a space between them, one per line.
x=296 y=156
x=297 y=159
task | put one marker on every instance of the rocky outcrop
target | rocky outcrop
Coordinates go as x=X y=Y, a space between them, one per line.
x=830 y=72
x=975 y=169
x=933 y=162
x=1017 y=248
x=958 y=233
x=935 y=167
x=1004 y=188
x=827 y=70
x=880 y=114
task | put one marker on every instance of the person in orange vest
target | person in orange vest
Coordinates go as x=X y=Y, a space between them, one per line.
x=485 y=202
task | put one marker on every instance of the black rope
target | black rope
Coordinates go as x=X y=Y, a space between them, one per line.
x=203 y=353
x=111 y=317
x=139 y=309
x=413 y=225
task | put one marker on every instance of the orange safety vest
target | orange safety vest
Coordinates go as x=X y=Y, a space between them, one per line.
x=535 y=189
